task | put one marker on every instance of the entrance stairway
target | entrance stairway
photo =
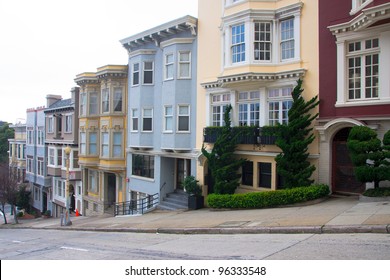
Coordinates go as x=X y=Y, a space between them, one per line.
x=174 y=201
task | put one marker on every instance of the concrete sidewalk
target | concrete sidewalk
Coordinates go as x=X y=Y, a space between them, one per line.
x=334 y=215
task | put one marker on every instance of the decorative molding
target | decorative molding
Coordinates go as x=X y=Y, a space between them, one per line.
x=250 y=77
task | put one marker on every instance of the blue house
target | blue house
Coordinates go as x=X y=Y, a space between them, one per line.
x=161 y=108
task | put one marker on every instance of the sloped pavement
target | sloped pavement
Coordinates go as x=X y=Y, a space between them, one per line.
x=333 y=215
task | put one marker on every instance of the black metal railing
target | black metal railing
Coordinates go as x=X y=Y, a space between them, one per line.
x=137 y=206
x=246 y=135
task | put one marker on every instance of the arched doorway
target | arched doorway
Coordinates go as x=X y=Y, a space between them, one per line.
x=343 y=177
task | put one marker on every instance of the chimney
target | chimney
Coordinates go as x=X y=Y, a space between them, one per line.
x=51 y=99
x=75 y=93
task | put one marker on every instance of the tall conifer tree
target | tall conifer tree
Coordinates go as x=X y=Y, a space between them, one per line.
x=222 y=162
x=294 y=139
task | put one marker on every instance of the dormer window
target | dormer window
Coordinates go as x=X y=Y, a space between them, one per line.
x=357 y=5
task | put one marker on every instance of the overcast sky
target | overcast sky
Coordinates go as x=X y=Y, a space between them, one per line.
x=44 y=44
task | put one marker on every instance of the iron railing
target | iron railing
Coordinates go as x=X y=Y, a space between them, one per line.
x=137 y=206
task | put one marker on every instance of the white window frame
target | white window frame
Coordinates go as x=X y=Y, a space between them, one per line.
x=134 y=119
x=40 y=137
x=105 y=103
x=83 y=104
x=342 y=41
x=117 y=146
x=93 y=144
x=83 y=143
x=105 y=144
x=358 y=5
x=260 y=41
x=250 y=19
x=147 y=117
x=93 y=107
x=169 y=62
x=183 y=115
x=237 y=45
x=218 y=106
x=40 y=167
x=279 y=96
x=30 y=136
x=135 y=73
x=93 y=181
x=184 y=63
x=144 y=70
x=168 y=118
x=68 y=123
x=288 y=40
x=118 y=99
x=30 y=165
x=250 y=100
x=50 y=124
x=361 y=55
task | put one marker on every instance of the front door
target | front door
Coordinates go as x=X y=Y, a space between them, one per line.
x=183 y=169
x=343 y=177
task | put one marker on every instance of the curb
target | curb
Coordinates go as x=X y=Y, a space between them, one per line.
x=325 y=229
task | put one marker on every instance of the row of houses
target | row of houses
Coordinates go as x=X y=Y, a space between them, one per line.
x=136 y=130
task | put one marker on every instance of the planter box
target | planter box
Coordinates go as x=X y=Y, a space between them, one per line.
x=195 y=202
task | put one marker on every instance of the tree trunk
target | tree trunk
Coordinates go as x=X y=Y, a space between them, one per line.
x=15 y=214
x=5 y=218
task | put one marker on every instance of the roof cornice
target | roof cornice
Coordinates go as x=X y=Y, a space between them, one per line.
x=158 y=33
x=224 y=81
x=365 y=19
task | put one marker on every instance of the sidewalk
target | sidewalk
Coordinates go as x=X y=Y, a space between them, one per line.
x=334 y=215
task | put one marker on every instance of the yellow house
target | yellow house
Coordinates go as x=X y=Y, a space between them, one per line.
x=103 y=125
x=250 y=55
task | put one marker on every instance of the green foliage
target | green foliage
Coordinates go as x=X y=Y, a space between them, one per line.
x=294 y=138
x=378 y=192
x=191 y=186
x=23 y=198
x=20 y=214
x=368 y=155
x=5 y=133
x=222 y=161
x=267 y=199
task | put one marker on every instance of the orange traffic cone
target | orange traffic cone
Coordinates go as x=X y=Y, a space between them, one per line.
x=77 y=213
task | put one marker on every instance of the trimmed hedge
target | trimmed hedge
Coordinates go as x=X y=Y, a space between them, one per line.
x=378 y=192
x=267 y=199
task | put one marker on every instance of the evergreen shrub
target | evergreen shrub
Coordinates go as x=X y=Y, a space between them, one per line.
x=267 y=199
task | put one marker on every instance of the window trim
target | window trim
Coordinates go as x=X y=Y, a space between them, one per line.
x=358 y=5
x=165 y=117
x=105 y=101
x=188 y=115
x=169 y=65
x=134 y=116
x=144 y=70
x=134 y=72
x=184 y=62
x=143 y=120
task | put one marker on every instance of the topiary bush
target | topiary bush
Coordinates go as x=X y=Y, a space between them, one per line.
x=267 y=199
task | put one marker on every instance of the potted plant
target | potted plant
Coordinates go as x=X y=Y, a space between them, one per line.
x=194 y=190
x=47 y=214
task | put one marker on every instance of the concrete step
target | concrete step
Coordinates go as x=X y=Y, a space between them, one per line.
x=174 y=201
